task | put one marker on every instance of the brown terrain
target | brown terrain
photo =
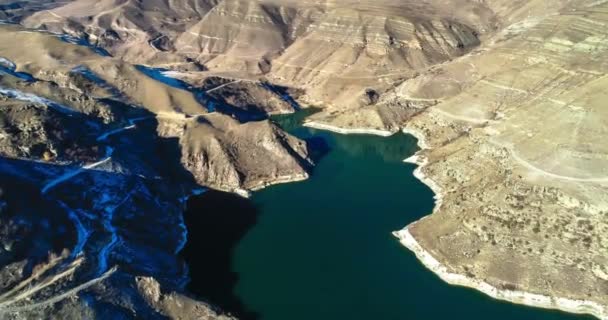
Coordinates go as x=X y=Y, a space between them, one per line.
x=507 y=99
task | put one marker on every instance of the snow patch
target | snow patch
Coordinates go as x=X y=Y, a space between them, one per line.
x=81 y=232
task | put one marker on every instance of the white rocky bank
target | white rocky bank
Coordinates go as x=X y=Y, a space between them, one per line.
x=323 y=126
x=515 y=296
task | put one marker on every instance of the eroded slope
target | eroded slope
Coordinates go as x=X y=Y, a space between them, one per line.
x=92 y=182
x=517 y=159
x=508 y=94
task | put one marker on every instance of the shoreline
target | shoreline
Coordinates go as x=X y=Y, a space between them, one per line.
x=441 y=270
x=513 y=296
x=246 y=192
x=323 y=126
x=421 y=161
x=419 y=136
x=279 y=180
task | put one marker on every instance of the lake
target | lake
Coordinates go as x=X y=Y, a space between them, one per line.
x=323 y=248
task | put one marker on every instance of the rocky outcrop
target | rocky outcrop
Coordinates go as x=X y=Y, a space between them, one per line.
x=252 y=96
x=173 y=305
x=247 y=29
x=35 y=131
x=228 y=156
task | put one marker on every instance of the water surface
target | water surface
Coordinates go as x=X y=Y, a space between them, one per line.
x=323 y=248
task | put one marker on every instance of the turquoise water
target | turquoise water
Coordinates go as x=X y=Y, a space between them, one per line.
x=323 y=249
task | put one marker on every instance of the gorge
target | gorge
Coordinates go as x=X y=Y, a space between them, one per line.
x=114 y=113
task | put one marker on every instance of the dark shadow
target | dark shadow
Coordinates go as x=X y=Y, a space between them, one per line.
x=288 y=95
x=216 y=222
x=12 y=5
x=213 y=104
x=20 y=75
x=317 y=148
x=143 y=232
x=32 y=225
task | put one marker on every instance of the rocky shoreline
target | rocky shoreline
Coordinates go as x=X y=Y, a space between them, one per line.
x=514 y=296
x=279 y=180
x=427 y=259
x=246 y=192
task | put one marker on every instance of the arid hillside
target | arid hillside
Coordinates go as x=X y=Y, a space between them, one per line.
x=508 y=99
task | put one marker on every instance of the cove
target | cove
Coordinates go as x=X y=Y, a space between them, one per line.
x=323 y=248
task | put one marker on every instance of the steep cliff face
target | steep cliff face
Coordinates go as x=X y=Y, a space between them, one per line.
x=348 y=50
x=235 y=32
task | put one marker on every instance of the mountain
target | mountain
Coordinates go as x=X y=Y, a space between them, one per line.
x=506 y=98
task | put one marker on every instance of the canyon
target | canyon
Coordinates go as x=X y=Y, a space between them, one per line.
x=138 y=104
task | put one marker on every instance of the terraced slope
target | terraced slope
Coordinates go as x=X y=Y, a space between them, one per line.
x=335 y=50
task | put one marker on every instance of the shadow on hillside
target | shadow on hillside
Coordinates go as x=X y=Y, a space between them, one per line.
x=216 y=221
x=146 y=175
